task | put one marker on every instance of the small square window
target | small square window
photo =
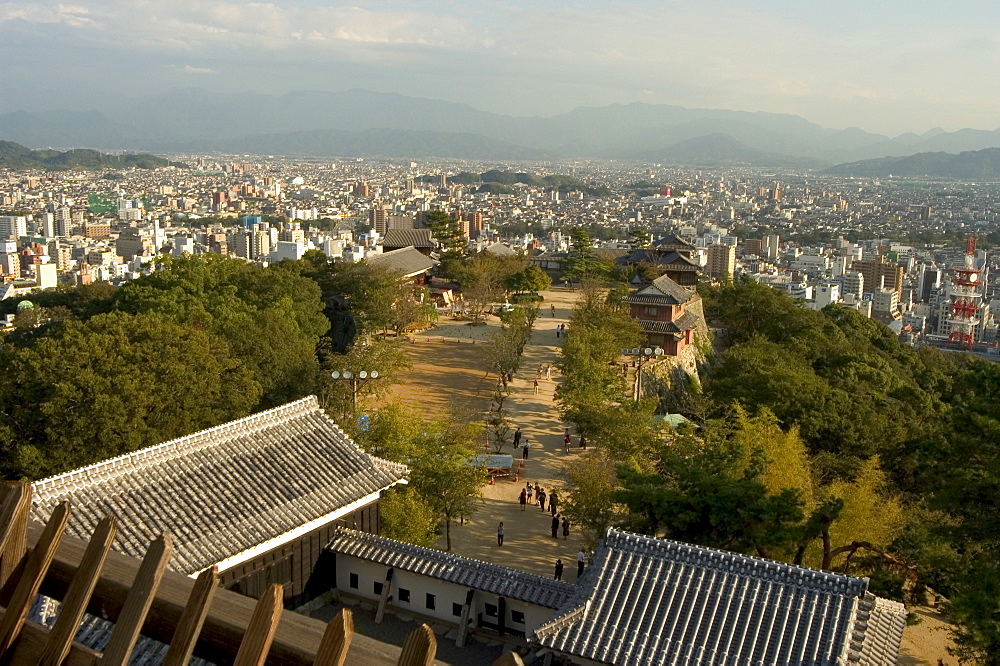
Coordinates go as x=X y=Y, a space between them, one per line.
x=652 y=311
x=378 y=588
x=430 y=601
x=456 y=610
x=404 y=595
x=491 y=610
x=354 y=581
x=517 y=617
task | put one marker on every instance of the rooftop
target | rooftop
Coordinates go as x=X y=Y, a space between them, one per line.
x=453 y=568
x=225 y=490
x=647 y=600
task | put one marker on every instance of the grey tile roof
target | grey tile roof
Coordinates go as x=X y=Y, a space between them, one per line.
x=662 y=291
x=406 y=261
x=653 y=601
x=225 y=490
x=400 y=238
x=463 y=571
x=673 y=240
x=500 y=250
x=675 y=260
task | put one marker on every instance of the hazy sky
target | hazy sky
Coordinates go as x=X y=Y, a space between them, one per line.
x=883 y=65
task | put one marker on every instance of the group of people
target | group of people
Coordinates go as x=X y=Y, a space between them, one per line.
x=581 y=563
x=560 y=330
x=536 y=494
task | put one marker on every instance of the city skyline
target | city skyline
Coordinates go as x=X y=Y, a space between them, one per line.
x=888 y=69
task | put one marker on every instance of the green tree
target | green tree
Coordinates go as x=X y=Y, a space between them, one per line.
x=117 y=383
x=445 y=230
x=588 y=498
x=448 y=483
x=406 y=516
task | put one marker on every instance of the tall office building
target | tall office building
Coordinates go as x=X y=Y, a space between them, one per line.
x=771 y=246
x=721 y=261
x=13 y=227
x=852 y=282
x=880 y=273
x=378 y=218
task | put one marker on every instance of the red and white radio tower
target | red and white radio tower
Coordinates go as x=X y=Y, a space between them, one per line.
x=965 y=299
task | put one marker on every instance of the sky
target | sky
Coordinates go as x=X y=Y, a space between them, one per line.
x=885 y=66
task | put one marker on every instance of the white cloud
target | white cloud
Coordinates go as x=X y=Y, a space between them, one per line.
x=72 y=15
x=189 y=69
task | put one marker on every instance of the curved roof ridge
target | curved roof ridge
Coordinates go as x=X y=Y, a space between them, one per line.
x=723 y=560
x=47 y=488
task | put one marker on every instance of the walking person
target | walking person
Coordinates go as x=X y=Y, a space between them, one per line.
x=541 y=498
x=581 y=560
x=548 y=371
x=583 y=442
x=524 y=450
x=567 y=440
x=536 y=386
x=500 y=534
x=559 y=569
x=558 y=329
x=555 y=527
x=565 y=528
x=522 y=499
x=552 y=309
x=517 y=437
x=530 y=491
x=553 y=502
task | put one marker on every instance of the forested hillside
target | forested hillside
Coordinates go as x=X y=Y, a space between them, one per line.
x=816 y=438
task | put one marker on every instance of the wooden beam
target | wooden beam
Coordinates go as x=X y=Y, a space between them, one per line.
x=463 y=621
x=35 y=568
x=78 y=594
x=32 y=641
x=138 y=601
x=260 y=631
x=509 y=659
x=384 y=597
x=419 y=648
x=13 y=526
x=193 y=617
x=336 y=640
x=295 y=644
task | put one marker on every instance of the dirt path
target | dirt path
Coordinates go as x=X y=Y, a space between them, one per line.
x=449 y=374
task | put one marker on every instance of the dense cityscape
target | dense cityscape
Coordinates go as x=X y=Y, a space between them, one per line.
x=887 y=248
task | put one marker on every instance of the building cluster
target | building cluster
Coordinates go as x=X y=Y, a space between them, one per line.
x=789 y=231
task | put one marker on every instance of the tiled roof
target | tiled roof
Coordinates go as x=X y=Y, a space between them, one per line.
x=400 y=238
x=673 y=240
x=653 y=601
x=406 y=261
x=225 y=490
x=686 y=322
x=662 y=291
x=673 y=259
x=463 y=571
x=500 y=250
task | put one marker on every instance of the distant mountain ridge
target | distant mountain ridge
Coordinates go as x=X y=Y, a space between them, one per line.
x=968 y=165
x=17 y=157
x=364 y=123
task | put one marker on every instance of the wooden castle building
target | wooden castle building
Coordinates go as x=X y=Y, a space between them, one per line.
x=259 y=497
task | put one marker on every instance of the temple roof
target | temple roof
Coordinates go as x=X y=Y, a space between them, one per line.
x=653 y=601
x=226 y=490
x=444 y=566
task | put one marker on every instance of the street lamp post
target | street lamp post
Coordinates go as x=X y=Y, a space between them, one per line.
x=354 y=379
x=641 y=356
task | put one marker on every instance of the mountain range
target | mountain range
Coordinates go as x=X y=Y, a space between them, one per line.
x=365 y=123
x=16 y=157
x=969 y=165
